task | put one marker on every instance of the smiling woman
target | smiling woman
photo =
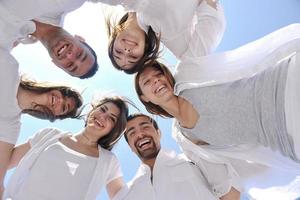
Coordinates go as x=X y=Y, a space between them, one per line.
x=82 y=163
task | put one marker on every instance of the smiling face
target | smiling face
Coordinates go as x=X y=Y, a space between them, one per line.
x=155 y=86
x=143 y=138
x=70 y=54
x=58 y=104
x=129 y=44
x=103 y=119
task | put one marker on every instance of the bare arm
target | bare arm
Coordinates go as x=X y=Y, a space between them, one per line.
x=114 y=186
x=233 y=194
x=212 y=3
x=6 y=152
x=17 y=154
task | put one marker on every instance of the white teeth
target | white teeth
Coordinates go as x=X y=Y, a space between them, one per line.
x=160 y=88
x=61 y=50
x=99 y=122
x=145 y=141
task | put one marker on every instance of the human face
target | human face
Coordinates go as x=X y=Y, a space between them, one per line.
x=143 y=138
x=155 y=86
x=103 y=118
x=58 y=104
x=71 y=55
x=129 y=46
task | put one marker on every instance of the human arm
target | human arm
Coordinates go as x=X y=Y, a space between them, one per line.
x=208 y=29
x=233 y=194
x=6 y=152
x=18 y=153
x=114 y=186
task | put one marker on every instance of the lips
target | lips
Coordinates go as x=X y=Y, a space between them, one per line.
x=144 y=143
x=99 y=123
x=62 y=50
x=161 y=89
x=130 y=42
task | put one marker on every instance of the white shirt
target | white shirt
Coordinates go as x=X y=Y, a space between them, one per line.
x=198 y=31
x=174 y=178
x=67 y=178
x=10 y=111
x=16 y=16
x=107 y=167
x=185 y=27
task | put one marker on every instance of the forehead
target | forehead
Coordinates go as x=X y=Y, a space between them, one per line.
x=138 y=121
x=86 y=63
x=111 y=107
x=148 y=71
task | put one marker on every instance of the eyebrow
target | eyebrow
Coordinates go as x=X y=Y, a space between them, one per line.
x=140 y=124
x=106 y=108
x=84 y=57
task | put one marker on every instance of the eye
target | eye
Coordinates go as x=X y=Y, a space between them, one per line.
x=79 y=54
x=146 y=82
x=113 y=119
x=118 y=51
x=102 y=109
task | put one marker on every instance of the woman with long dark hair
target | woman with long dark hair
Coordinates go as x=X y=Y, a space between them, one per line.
x=59 y=165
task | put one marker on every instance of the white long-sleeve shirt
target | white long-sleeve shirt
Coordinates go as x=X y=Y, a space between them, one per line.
x=16 y=16
x=185 y=27
x=174 y=177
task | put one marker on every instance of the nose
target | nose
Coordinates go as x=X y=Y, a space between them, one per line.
x=127 y=49
x=71 y=55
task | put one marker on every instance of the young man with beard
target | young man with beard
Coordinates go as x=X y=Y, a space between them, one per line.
x=165 y=175
x=32 y=20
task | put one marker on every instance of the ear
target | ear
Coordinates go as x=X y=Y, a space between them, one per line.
x=159 y=133
x=144 y=98
x=78 y=37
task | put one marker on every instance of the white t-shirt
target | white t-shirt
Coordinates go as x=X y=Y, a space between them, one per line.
x=10 y=111
x=48 y=162
x=58 y=173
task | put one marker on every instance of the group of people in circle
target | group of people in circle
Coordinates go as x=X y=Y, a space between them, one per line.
x=227 y=107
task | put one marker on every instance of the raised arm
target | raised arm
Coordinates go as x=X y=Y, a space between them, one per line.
x=208 y=30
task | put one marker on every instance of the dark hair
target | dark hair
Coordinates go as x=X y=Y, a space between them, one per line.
x=95 y=65
x=41 y=111
x=108 y=141
x=136 y=115
x=151 y=107
x=151 y=45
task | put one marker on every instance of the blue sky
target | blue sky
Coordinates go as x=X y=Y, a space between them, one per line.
x=247 y=20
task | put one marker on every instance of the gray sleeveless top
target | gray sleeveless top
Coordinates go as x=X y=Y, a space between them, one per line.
x=249 y=110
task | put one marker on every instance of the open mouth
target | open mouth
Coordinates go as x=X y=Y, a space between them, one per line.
x=161 y=89
x=99 y=123
x=130 y=42
x=62 y=50
x=143 y=143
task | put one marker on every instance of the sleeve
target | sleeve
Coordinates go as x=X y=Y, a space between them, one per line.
x=10 y=112
x=114 y=169
x=108 y=2
x=217 y=176
x=40 y=135
x=208 y=30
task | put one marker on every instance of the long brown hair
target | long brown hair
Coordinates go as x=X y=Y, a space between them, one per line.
x=151 y=107
x=151 y=50
x=108 y=141
x=41 y=111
